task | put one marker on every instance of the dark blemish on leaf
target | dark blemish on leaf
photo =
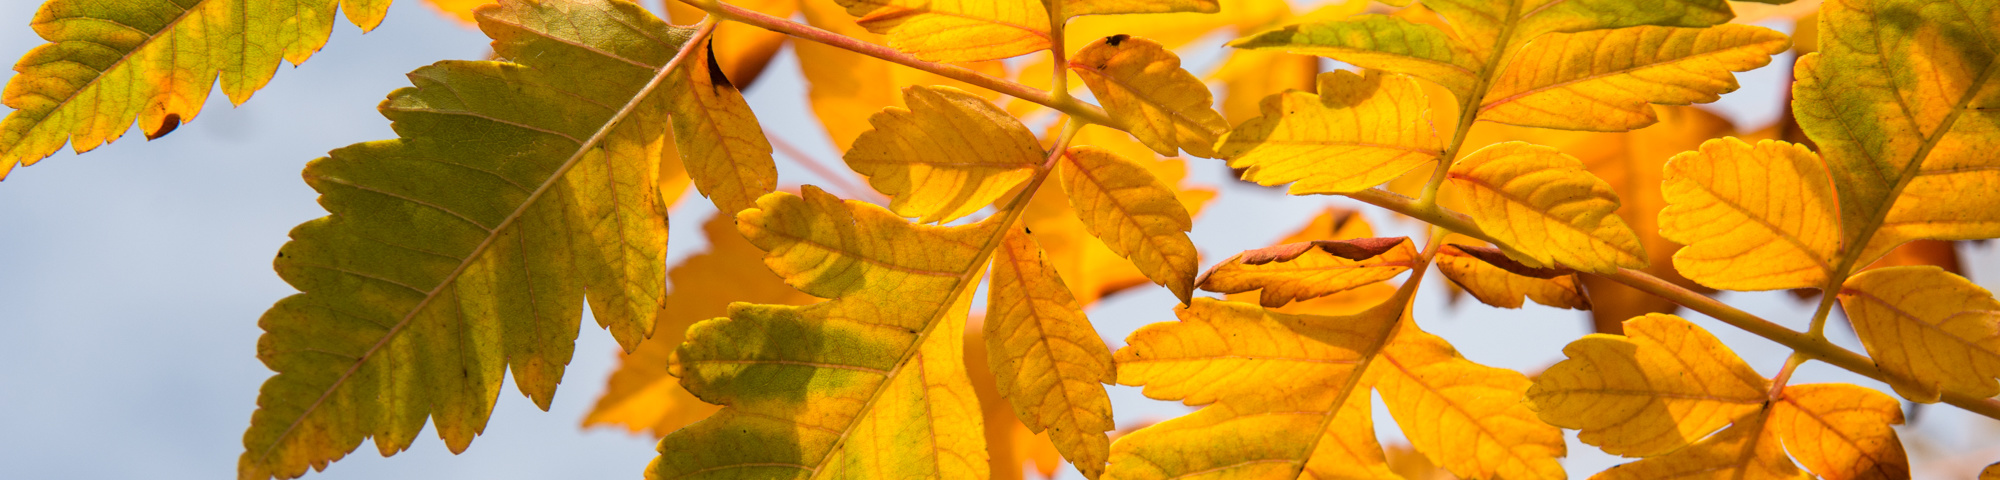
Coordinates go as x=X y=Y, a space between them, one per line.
x=1114 y=40
x=1027 y=230
x=167 y=126
x=715 y=75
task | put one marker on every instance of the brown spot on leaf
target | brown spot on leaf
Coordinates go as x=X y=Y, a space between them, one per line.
x=1114 y=40
x=1495 y=257
x=167 y=125
x=1356 y=249
x=715 y=76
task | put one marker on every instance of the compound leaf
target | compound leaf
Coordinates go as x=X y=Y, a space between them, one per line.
x=718 y=137
x=1603 y=80
x=1306 y=270
x=1482 y=275
x=1935 y=328
x=1543 y=203
x=1135 y=214
x=464 y=249
x=1760 y=217
x=1358 y=132
x=1046 y=358
x=1141 y=84
x=1663 y=385
x=946 y=156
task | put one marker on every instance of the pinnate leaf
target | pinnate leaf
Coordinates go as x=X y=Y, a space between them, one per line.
x=1379 y=42
x=1753 y=217
x=1305 y=270
x=1543 y=203
x=464 y=249
x=1135 y=214
x=719 y=140
x=1046 y=358
x=946 y=156
x=1603 y=80
x=109 y=64
x=1358 y=132
x=1141 y=84
x=1663 y=385
x=1922 y=323
x=956 y=30
x=1496 y=280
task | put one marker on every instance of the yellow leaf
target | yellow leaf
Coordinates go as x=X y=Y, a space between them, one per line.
x=1482 y=22
x=1337 y=225
x=1928 y=325
x=1470 y=418
x=1663 y=385
x=1141 y=84
x=1009 y=443
x=869 y=384
x=1504 y=288
x=460 y=10
x=1992 y=472
x=1380 y=42
x=1307 y=270
x=108 y=64
x=1359 y=132
x=1841 y=431
x=743 y=50
x=1747 y=450
x=1135 y=214
x=1092 y=269
x=1046 y=357
x=956 y=30
x=640 y=395
x=1249 y=75
x=946 y=156
x=718 y=138
x=1114 y=7
x=1543 y=203
x=845 y=87
x=1760 y=217
x=1603 y=80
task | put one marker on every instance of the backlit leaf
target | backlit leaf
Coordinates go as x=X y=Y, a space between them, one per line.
x=743 y=50
x=1928 y=325
x=1603 y=80
x=1501 y=287
x=949 y=154
x=1380 y=42
x=1841 y=431
x=1306 y=270
x=1248 y=76
x=1045 y=356
x=1663 y=385
x=1088 y=266
x=1114 y=7
x=869 y=384
x=956 y=30
x=1542 y=202
x=845 y=87
x=1482 y=22
x=1470 y=418
x=1359 y=132
x=464 y=249
x=719 y=140
x=1141 y=84
x=109 y=64
x=460 y=10
x=1009 y=444
x=1135 y=214
x=1753 y=217
x=1747 y=450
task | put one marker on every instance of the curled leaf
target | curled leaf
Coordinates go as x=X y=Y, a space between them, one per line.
x=1493 y=278
x=1306 y=270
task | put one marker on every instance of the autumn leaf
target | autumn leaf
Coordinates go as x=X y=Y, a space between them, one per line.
x=1753 y=217
x=946 y=156
x=845 y=87
x=641 y=396
x=1046 y=357
x=1114 y=7
x=1136 y=215
x=1542 y=202
x=1496 y=280
x=1248 y=76
x=1379 y=42
x=1935 y=328
x=1469 y=418
x=718 y=138
x=464 y=249
x=1330 y=224
x=1663 y=385
x=1747 y=450
x=1088 y=266
x=110 y=64
x=1305 y=270
x=1603 y=80
x=1142 y=85
x=1010 y=445
x=956 y=30
x=1299 y=131
x=741 y=50
x=460 y=10
x=1842 y=431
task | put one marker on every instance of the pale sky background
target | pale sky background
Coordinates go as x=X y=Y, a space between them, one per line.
x=131 y=279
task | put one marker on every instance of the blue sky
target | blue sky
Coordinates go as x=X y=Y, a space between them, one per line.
x=131 y=279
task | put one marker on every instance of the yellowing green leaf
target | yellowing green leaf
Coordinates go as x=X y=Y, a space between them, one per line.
x=1359 y=132
x=1114 y=7
x=1760 y=217
x=1928 y=325
x=719 y=140
x=108 y=64
x=1142 y=85
x=956 y=30
x=464 y=249
x=1380 y=42
x=1306 y=270
x=946 y=156
x=1543 y=203
x=1135 y=214
x=640 y=395
x=1663 y=385
x=1469 y=418
x=1603 y=80
x=1492 y=284
x=1747 y=450
x=869 y=384
x=1482 y=22
x=1045 y=356
x=1841 y=431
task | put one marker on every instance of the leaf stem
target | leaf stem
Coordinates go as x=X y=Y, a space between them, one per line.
x=1059 y=84
x=1075 y=108
x=1468 y=108
x=1785 y=375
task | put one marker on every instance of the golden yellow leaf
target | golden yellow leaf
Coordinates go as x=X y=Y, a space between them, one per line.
x=1502 y=287
x=1333 y=224
x=1046 y=357
x=1483 y=22
x=1381 y=42
x=1841 y=431
x=956 y=30
x=1543 y=203
x=946 y=156
x=1306 y=270
x=718 y=138
x=1135 y=214
x=1928 y=325
x=641 y=396
x=1470 y=418
x=1141 y=84
x=1009 y=443
x=460 y=10
x=1250 y=75
x=742 y=49
x=109 y=64
x=1092 y=269
x=1359 y=132
x=1747 y=450
x=1604 y=80
x=1760 y=217
x=1663 y=385
x=869 y=384
x=845 y=87
x=1632 y=163
x=1114 y=7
